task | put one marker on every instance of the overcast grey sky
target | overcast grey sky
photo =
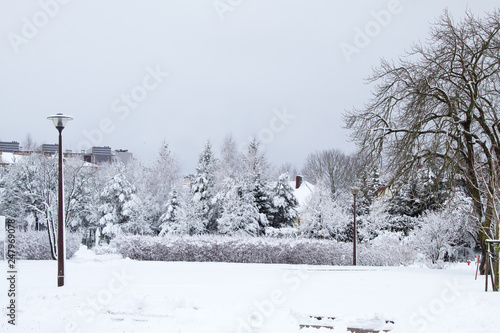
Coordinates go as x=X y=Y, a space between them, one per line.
x=135 y=72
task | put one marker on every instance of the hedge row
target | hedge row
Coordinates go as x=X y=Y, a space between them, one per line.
x=34 y=245
x=255 y=250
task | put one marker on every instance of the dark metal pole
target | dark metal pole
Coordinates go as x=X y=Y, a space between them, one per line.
x=60 y=219
x=354 y=235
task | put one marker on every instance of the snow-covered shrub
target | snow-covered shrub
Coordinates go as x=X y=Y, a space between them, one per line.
x=241 y=250
x=440 y=235
x=325 y=218
x=375 y=222
x=34 y=245
x=287 y=232
x=387 y=249
x=104 y=249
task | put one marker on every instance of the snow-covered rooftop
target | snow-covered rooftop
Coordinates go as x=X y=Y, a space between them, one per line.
x=303 y=193
x=9 y=158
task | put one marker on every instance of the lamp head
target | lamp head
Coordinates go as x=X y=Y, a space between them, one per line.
x=60 y=120
x=354 y=191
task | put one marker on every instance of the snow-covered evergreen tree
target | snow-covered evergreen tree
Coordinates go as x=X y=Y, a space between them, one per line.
x=164 y=175
x=203 y=183
x=200 y=212
x=240 y=215
x=375 y=223
x=229 y=165
x=414 y=198
x=120 y=207
x=3 y=184
x=369 y=184
x=256 y=169
x=284 y=204
x=170 y=221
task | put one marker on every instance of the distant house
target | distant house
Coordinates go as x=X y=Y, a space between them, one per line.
x=383 y=192
x=303 y=191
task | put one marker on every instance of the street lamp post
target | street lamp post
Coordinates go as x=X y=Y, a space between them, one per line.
x=60 y=121
x=354 y=192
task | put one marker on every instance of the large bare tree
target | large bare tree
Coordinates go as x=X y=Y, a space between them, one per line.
x=439 y=103
x=331 y=166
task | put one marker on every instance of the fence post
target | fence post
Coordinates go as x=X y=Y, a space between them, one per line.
x=492 y=263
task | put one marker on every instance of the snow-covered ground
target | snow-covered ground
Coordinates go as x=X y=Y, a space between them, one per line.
x=110 y=294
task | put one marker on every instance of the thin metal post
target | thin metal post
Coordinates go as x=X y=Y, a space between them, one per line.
x=354 y=235
x=60 y=218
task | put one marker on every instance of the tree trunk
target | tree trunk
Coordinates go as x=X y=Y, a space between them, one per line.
x=489 y=230
x=473 y=188
x=484 y=255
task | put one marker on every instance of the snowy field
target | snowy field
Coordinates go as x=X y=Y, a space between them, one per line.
x=110 y=294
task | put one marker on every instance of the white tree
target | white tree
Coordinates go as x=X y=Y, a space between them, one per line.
x=440 y=234
x=165 y=173
x=161 y=179
x=31 y=195
x=376 y=222
x=257 y=169
x=333 y=167
x=439 y=103
x=171 y=221
x=414 y=197
x=3 y=184
x=29 y=144
x=240 y=215
x=120 y=206
x=229 y=165
x=200 y=213
x=284 y=204
x=286 y=168
x=325 y=218
x=80 y=189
